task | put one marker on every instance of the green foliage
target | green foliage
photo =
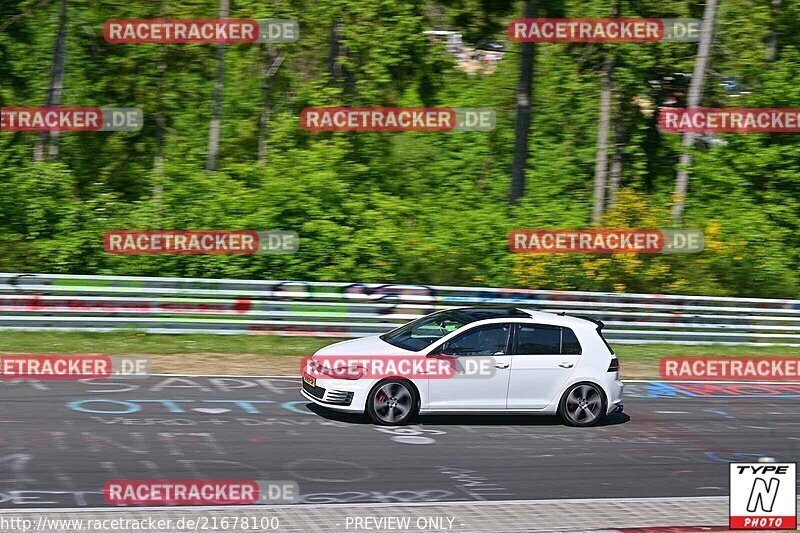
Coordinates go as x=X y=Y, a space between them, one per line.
x=400 y=207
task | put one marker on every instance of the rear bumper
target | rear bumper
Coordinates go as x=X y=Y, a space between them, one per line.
x=614 y=389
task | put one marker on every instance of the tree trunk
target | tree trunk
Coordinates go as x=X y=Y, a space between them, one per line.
x=603 y=123
x=158 y=158
x=54 y=91
x=271 y=64
x=772 y=43
x=334 y=68
x=337 y=71
x=161 y=122
x=161 y=68
x=615 y=175
x=693 y=100
x=522 y=127
x=219 y=85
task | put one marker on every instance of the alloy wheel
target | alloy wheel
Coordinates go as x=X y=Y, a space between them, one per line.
x=392 y=402
x=584 y=404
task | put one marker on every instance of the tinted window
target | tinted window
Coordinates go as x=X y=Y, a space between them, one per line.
x=424 y=331
x=483 y=340
x=569 y=342
x=534 y=339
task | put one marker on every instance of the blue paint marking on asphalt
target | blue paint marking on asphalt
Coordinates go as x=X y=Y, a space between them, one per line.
x=134 y=406
x=663 y=389
x=735 y=457
x=130 y=407
x=720 y=412
x=654 y=389
x=641 y=389
x=292 y=406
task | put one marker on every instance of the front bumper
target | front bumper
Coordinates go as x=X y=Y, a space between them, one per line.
x=344 y=395
x=329 y=396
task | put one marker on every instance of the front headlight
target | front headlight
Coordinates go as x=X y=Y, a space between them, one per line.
x=335 y=367
x=354 y=371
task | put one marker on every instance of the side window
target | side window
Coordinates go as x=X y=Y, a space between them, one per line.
x=483 y=340
x=569 y=342
x=538 y=339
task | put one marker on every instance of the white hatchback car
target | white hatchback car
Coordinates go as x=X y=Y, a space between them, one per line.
x=544 y=363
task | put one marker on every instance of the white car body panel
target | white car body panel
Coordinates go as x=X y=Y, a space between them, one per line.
x=464 y=392
x=525 y=384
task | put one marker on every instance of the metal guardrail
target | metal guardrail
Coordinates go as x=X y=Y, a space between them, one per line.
x=32 y=302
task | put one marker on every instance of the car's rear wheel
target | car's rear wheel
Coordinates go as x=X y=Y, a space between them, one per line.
x=392 y=403
x=582 y=405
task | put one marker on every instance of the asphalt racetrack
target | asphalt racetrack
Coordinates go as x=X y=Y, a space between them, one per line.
x=62 y=440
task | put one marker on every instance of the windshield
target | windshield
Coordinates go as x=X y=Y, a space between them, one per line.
x=423 y=332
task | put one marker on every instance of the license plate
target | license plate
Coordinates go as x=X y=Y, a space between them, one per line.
x=311 y=381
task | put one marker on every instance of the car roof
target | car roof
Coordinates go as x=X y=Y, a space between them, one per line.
x=486 y=313
x=541 y=317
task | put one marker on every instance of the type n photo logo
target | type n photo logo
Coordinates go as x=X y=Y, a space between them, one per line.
x=763 y=496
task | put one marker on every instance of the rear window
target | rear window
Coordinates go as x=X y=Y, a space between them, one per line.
x=538 y=339
x=569 y=342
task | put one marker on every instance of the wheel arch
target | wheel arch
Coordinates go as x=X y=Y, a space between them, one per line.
x=603 y=394
x=397 y=378
x=405 y=381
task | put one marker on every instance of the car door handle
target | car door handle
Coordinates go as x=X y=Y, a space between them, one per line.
x=566 y=365
x=502 y=365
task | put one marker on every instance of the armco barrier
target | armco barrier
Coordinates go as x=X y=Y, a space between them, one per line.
x=30 y=302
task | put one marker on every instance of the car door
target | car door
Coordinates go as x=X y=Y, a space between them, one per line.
x=543 y=359
x=488 y=344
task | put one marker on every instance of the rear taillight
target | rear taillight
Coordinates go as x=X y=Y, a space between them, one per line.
x=614 y=366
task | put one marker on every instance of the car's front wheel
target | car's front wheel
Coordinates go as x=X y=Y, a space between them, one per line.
x=392 y=403
x=582 y=405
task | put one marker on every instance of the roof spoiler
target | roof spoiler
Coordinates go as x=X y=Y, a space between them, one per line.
x=599 y=323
